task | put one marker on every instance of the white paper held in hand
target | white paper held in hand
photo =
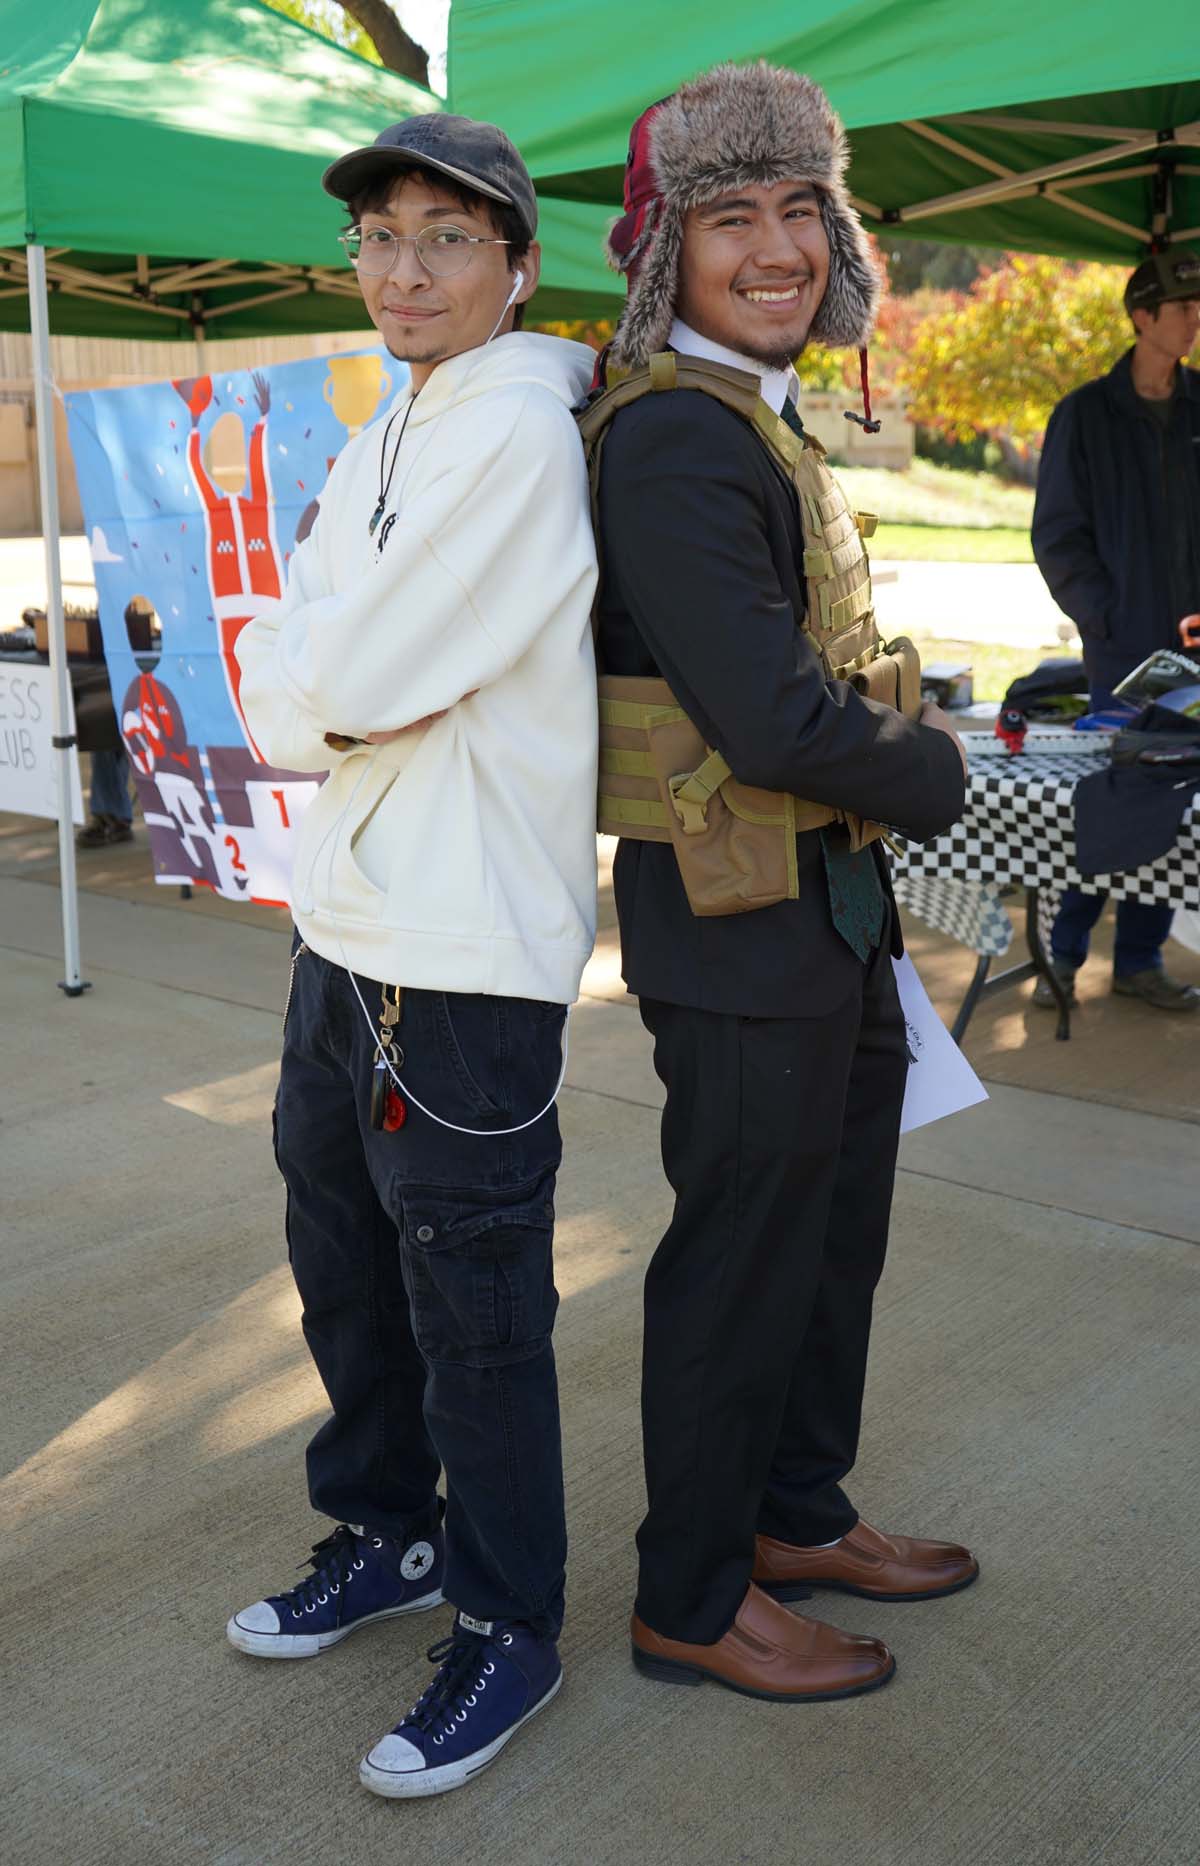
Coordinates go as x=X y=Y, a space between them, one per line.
x=940 y=1079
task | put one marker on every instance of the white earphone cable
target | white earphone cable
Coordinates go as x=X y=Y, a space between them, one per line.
x=480 y=1133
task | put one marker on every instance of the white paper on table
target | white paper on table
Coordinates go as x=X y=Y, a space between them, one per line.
x=940 y=1079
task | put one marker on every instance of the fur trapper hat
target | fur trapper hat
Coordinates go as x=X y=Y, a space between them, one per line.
x=735 y=126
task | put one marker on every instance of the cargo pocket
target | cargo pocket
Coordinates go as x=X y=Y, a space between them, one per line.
x=481 y=1272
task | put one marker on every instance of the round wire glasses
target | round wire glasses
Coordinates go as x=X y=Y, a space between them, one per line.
x=442 y=251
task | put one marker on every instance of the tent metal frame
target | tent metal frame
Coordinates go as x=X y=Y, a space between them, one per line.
x=1054 y=180
x=148 y=287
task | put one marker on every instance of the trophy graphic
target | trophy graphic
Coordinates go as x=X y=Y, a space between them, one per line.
x=354 y=388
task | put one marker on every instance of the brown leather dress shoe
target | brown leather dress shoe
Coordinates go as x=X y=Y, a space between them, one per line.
x=864 y=1562
x=769 y=1653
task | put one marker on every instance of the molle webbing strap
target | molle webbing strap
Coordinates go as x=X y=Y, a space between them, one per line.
x=630 y=801
x=640 y=713
x=691 y=793
x=837 y=613
x=618 y=815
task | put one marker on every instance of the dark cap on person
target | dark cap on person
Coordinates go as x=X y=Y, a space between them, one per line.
x=1163 y=278
x=477 y=155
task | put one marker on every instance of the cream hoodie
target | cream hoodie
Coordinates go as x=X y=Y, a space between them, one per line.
x=461 y=856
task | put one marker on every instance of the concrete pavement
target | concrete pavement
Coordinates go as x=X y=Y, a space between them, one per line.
x=1007 y=604
x=1030 y=1391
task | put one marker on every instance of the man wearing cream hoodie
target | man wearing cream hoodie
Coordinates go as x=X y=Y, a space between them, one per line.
x=432 y=653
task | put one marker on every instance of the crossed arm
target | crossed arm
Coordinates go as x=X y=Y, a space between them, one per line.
x=478 y=559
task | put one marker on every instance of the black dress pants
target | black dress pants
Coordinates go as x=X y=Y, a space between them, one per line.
x=779 y=1138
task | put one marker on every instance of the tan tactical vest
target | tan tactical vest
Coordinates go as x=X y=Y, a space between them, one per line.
x=659 y=782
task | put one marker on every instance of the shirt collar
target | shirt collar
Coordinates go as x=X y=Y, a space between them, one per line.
x=778 y=385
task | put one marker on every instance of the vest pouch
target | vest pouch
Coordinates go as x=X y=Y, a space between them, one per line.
x=904 y=653
x=893 y=678
x=735 y=846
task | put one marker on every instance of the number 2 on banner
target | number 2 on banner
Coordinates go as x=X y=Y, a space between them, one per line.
x=231 y=843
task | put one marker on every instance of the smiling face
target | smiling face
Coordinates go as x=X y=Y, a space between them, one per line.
x=424 y=317
x=754 y=268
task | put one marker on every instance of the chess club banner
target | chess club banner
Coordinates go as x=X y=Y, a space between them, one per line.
x=195 y=494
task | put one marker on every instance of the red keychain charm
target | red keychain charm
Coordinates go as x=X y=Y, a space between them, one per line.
x=395 y=1110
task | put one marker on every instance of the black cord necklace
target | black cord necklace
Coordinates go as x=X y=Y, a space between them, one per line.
x=385 y=486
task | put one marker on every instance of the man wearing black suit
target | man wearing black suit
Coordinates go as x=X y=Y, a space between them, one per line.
x=778 y=1032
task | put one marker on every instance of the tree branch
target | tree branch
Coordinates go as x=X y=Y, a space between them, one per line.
x=387 y=35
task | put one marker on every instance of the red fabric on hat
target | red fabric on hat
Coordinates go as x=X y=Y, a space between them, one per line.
x=641 y=191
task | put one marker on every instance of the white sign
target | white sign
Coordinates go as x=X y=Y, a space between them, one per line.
x=940 y=1079
x=28 y=761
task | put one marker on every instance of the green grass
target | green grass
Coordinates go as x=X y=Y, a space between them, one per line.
x=993 y=665
x=925 y=494
x=955 y=544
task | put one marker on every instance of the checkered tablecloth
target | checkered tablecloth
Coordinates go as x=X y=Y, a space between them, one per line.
x=1019 y=827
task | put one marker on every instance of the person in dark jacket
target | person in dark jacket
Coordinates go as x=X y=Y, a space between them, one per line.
x=778 y=1032
x=1116 y=534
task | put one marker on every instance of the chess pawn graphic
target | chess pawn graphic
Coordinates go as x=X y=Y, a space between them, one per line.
x=354 y=388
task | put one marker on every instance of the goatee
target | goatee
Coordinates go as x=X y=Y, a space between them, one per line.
x=779 y=356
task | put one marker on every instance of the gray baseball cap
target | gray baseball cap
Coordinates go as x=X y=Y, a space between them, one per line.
x=1162 y=279
x=478 y=155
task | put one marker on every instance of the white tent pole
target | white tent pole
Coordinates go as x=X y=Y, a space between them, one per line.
x=64 y=719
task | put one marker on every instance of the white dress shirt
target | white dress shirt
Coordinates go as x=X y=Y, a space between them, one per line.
x=778 y=385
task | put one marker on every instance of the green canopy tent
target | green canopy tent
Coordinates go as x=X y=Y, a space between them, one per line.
x=169 y=160
x=1071 y=129
x=160 y=172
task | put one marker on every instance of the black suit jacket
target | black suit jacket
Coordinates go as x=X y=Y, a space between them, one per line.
x=1116 y=524
x=702 y=582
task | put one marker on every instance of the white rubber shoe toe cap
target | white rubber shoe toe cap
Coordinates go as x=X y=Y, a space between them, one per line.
x=256 y=1630
x=395 y=1755
x=260 y=1618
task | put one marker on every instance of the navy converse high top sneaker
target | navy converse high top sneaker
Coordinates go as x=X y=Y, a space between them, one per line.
x=493 y=1676
x=357 y=1577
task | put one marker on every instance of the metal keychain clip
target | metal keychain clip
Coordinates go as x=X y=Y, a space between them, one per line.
x=389 y=1110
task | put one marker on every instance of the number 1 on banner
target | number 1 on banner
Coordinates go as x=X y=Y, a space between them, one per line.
x=276 y=810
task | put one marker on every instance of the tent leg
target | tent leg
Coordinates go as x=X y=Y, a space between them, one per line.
x=64 y=738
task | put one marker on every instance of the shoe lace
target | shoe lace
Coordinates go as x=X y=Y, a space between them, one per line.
x=335 y=1562
x=464 y=1670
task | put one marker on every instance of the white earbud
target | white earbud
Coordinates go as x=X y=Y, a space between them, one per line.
x=510 y=300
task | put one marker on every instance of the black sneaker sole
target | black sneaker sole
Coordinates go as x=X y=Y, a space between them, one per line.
x=675 y=1672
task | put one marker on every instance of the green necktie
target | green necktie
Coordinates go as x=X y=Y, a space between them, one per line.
x=855 y=894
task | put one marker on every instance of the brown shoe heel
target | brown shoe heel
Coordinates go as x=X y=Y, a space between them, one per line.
x=667 y=1671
